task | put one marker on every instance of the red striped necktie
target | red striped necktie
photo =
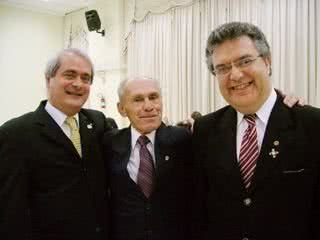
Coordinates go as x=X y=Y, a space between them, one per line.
x=249 y=150
x=146 y=168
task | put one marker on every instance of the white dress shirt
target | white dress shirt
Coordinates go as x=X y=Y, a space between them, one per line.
x=134 y=160
x=59 y=117
x=263 y=115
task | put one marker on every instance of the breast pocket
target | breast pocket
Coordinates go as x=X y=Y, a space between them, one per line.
x=297 y=181
x=294 y=171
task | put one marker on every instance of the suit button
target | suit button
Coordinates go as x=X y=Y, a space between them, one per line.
x=247 y=202
x=149 y=234
x=108 y=192
x=98 y=229
x=245 y=238
x=148 y=206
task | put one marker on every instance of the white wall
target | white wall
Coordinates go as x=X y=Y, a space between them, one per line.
x=107 y=55
x=27 y=40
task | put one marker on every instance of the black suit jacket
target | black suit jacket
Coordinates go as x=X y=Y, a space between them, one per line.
x=111 y=123
x=284 y=197
x=47 y=191
x=164 y=215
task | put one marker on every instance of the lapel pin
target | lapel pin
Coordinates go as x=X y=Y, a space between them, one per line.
x=273 y=153
x=89 y=126
x=276 y=143
x=166 y=158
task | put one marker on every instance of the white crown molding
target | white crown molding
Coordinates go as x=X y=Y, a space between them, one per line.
x=32 y=8
x=55 y=8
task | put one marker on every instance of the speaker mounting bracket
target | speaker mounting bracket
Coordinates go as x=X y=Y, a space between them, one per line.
x=102 y=32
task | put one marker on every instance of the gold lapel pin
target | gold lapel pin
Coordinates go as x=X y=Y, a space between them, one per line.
x=276 y=143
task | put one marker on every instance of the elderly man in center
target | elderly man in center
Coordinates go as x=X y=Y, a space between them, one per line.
x=148 y=165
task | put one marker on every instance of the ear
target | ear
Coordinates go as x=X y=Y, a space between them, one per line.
x=269 y=65
x=121 y=109
x=47 y=81
x=267 y=60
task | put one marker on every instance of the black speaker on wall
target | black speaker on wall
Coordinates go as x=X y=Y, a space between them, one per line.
x=93 y=21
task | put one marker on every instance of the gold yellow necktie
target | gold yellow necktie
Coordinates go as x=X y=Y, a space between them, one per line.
x=75 y=135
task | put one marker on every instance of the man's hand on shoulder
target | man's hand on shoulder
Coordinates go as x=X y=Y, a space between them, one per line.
x=290 y=99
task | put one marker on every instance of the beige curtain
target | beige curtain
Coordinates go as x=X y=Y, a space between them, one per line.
x=143 y=7
x=75 y=30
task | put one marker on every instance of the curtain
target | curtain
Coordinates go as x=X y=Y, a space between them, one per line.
x=143 y=7
x=75 y=30
x=171 y=47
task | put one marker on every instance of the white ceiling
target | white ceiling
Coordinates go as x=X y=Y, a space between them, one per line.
x=55 y=7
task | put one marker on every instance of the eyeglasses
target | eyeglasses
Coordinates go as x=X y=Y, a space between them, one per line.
x=224 y=69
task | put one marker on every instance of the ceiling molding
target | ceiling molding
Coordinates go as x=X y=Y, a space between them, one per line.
x=32 y=9
x=52 y=7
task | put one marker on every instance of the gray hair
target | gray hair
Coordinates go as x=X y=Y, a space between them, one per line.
x=233 y=30
x=123 y=83
x=54 y=63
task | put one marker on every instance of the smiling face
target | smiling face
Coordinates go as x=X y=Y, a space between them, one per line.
x=246 y=89
x=141 y=102
x=69 y=89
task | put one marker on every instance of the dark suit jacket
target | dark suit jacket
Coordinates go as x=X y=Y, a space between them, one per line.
x=111 y=123
x=46 y=190
x=283 y=200
x=164 y=215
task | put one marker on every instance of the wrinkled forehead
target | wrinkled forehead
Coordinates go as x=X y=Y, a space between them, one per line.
x=141 y=87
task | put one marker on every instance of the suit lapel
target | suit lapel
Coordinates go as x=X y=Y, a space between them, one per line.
x=121 y=146
x=223 y=139
x=277 y=131
x=161 y=148
x=92 y=158
x=87 y=130
x=50 y=129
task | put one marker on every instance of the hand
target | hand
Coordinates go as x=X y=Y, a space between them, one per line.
x=291 y=100
x=191 y=120
x=185 y=124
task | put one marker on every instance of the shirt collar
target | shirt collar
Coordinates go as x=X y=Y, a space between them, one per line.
x=58 y=116
x=264 y=112
x=135 y=135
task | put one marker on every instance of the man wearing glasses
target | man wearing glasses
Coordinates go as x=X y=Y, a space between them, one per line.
x=258 y=160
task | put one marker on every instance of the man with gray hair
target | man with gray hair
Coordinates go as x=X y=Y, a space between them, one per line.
x=52 y=178
x=148 y=165
x=258 y=160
